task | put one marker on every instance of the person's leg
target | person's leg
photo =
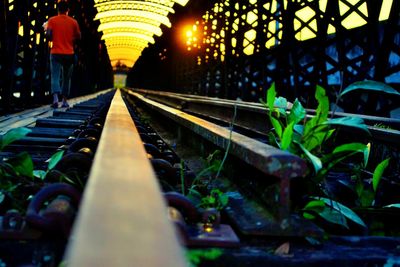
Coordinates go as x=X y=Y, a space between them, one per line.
x=55 y=70
x=68 y=67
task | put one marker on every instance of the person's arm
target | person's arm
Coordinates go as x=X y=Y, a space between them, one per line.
x=47 y=30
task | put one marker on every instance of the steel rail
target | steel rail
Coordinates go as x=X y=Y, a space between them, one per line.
x=122 y=219
x=253 y=116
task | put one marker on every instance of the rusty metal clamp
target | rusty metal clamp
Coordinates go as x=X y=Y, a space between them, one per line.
x=58 y=217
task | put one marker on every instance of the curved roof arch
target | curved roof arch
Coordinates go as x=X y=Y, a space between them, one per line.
x=135 y=5
x=128 y=26
x=115 y=25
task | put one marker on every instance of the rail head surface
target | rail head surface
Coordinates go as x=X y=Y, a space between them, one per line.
x=122 y=218
x=256 y=112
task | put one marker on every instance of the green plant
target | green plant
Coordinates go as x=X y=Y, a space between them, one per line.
x=17 y=174
x=366 y=194
x=52 y=162
x=13 y=135
x=382 y=126
x=308 y=140
x=21 y=164
x=369 y=85
x=214 y=165
x=201 y=183
x=332 y=211
x=216 y=199
x=205 y=176
x=196 y=256
x=72 y=178
x=15 y=171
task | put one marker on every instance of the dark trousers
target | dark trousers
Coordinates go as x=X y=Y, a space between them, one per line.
x=61 y=67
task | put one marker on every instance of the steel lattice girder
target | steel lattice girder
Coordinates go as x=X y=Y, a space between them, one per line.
x=246 y=45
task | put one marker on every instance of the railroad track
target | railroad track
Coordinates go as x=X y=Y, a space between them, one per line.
x=251 y=119
x=122 y=218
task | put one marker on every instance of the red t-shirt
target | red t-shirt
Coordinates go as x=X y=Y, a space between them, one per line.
x=64 y=30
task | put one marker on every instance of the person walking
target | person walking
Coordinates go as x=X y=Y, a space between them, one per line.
x=63 y=31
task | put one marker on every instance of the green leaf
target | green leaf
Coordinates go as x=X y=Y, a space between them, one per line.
x=348 y=213
x=395 y=205
x=287 y=136
x=327 y=213
x=323 y=104
x=329 y=134
x=333 y=216
x=315 y=161
x=350 y=147
x=54 y=159
x=378 y=172
x=69 y=180
x=277 y=126
x=299 y=129
x=316 y=139
x=367 y=151
x=321 y=112
x=316 y=205
x=297 y=113
x=195 y=256
x=40 y=174
x=13 y=135
x=369 y=85
x=272 y=139
x=22 y=164
x=354 y=147
x=314 y=130
x=348 y=122
x=280 y=103
x=307 y=215
x=271 y=94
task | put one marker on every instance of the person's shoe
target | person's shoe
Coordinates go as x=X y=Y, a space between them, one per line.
x=65 y=105
x=54 y=105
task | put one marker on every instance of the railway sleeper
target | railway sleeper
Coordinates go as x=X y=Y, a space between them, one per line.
x=191 y=224
x=54 y=200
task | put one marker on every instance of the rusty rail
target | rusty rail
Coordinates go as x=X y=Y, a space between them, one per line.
x=252 y=116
